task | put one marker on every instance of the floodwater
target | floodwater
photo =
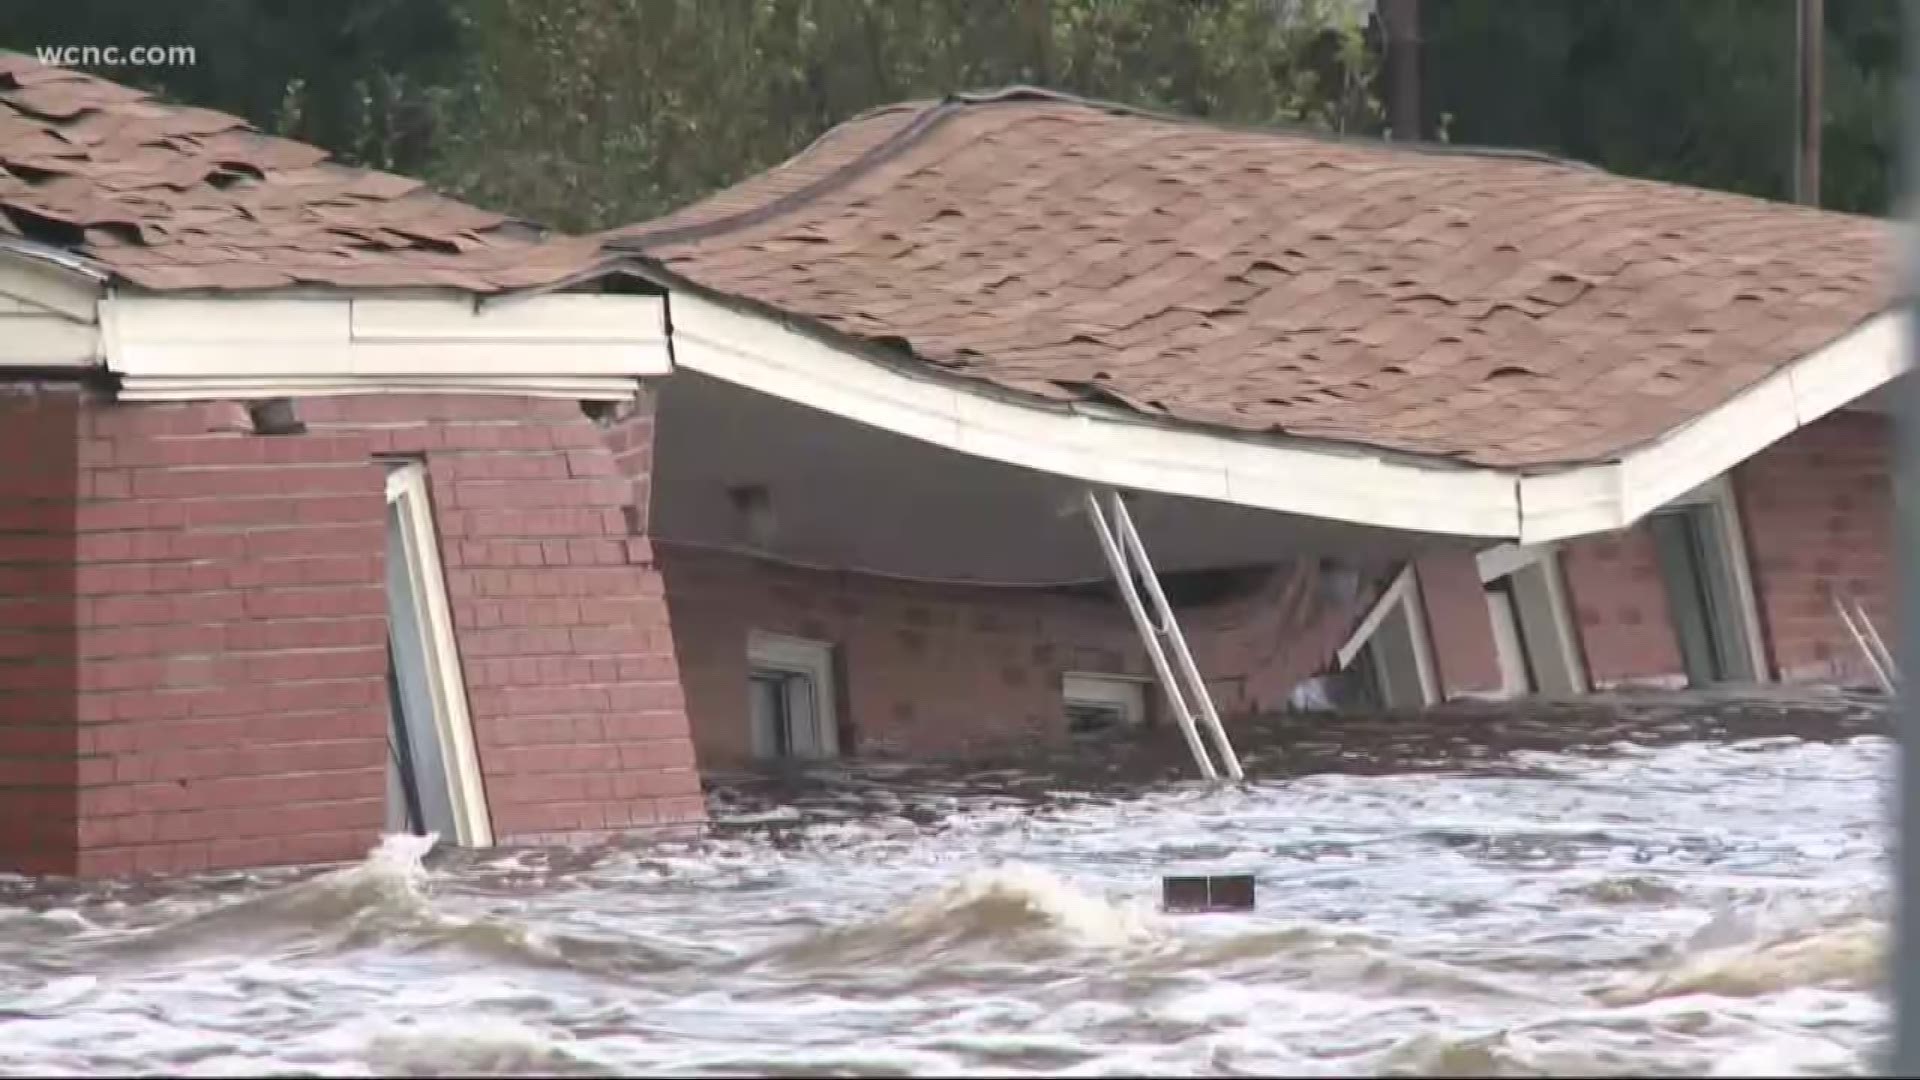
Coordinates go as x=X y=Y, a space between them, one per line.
x=1671 y=886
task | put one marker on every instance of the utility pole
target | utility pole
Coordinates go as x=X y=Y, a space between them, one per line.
x=1400 y=19
x=1807 y=113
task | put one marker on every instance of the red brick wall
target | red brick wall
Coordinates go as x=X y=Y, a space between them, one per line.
x=949 y=671
x=1620 y=610
x=1818 y=508
x=1462 y=628
x=231 y=623
x=560 y=612
x=39 y=669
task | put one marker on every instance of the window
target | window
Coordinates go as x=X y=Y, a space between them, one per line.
x=790 y=697
x=433 y=774
x=1101 y=703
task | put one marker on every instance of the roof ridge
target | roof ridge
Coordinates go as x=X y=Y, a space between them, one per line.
x=931 y=114
x=1021 y=92
x=934 y=113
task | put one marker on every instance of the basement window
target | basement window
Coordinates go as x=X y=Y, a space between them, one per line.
x=1099 y=704
x=790 y=697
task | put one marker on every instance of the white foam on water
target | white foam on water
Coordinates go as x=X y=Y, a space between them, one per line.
x=1726 y=895
x=476 y=1045
x=62 y=993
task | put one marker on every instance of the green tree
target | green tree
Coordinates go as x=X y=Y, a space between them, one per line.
x=591 y=113
x=1700 y=92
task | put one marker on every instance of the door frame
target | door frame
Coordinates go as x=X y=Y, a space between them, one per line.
x=1541 y=609
x=407 y=496
x=1394 y=633
x=1717 y=497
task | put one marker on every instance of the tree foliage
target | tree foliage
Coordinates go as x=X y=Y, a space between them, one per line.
x=1700 y=92
x=589 y=113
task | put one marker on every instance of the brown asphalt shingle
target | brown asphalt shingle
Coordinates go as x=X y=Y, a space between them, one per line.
x=185 y=198
x=1499 y=309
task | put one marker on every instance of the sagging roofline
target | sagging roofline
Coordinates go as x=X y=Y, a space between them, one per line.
x=805 y=362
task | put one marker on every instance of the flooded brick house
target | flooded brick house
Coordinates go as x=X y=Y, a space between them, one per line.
x=1633 y=433
x=341 y=507
x=302 y=485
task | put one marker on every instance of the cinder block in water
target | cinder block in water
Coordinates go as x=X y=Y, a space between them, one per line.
x=1207 y=892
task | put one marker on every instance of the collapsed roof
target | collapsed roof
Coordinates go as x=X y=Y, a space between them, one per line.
x=1496 y=309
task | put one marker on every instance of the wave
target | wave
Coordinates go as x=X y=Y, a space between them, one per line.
x=1021 y=910
x=387 y=889
x=492 y=1046
x=382 y=901
x=1626 y=889
x=1741 y=955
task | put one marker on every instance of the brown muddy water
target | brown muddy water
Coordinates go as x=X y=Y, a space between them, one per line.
x=1656 y=886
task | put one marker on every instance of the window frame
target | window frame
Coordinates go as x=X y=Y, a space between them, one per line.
x=771 y=654
x=1125 y=695
x=408 y=500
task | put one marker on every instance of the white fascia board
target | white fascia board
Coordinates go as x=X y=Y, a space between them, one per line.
x=546 y=339
x=478 y=359
x=152 y=321
x=41 y=339
x=1850 y=368
x=1614 y=495
x=50 y=285
x=1577 y=502
x=136 y=388
x=764 y=355
x=49 y=313
x=577 y=318
x=1708 y=446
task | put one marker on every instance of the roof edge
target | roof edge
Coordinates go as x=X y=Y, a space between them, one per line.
x=905 y=363
x=69 y=261
x=1604 y=496
x=800 y=360
x=760 y=349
